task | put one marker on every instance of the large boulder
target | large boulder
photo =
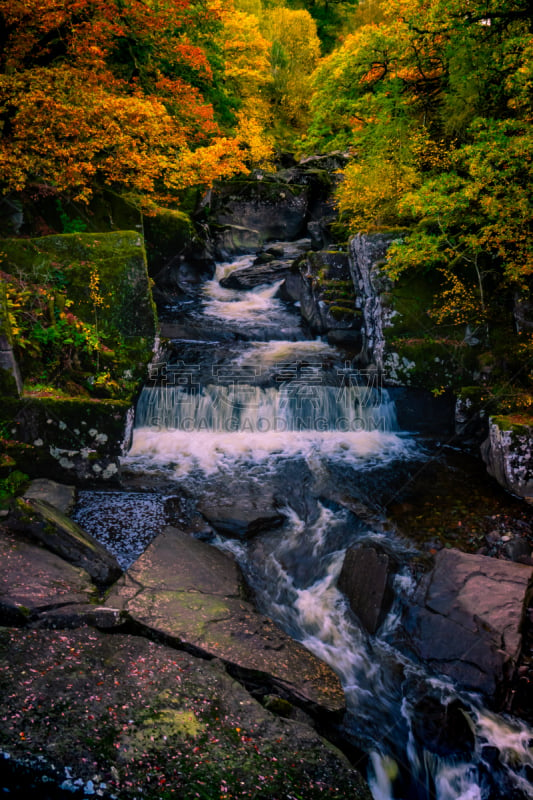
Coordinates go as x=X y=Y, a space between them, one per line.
x=192 y=595
x=271 y=207
x=366 y=579
x=467 y=617
x=42 y=521
x=508 y=455
x=256 y=275
x=34 y=582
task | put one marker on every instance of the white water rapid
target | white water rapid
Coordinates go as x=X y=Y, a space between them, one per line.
x=271 y=415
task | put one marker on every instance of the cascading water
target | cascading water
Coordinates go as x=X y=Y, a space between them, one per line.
x=291 y=419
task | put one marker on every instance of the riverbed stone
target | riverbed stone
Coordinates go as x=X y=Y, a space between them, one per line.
x=467 y=617
x=60 y=534
x=241 y=511
x=257 y=274
x=122 y=716
x=194 y=596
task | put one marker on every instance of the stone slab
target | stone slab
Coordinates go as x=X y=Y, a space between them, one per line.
x=193 y=595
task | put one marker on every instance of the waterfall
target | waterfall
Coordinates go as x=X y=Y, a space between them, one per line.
x=294 y=407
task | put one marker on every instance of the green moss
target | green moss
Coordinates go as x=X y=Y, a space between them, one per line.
x=126 y=318
x=519 y=424
x=432 y=363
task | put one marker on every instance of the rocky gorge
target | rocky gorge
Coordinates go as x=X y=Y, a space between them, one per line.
x=204 y=655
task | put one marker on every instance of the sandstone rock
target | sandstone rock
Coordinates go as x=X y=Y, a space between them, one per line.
x=365 y=579
x=466 y=622
x=192 y=594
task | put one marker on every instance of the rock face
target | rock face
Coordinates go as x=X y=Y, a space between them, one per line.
x=10 y=380
x=466 y=621
x=365 y=579
x=367 y=253
x=192 y=594
x=508 y=455
x=321 y=284
x=267 y=210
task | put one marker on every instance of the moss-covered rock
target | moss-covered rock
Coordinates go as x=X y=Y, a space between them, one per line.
x=74 y=440
x=168 y=233
x=123 y=313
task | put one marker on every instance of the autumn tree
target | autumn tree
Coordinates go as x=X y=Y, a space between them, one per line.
x=110 y=92
x=294 y=54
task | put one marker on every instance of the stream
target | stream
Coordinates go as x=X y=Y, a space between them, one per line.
x=245 y=402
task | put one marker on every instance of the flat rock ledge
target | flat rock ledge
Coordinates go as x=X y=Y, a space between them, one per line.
x=467 y=618
x=119 y=716
x=192 y=595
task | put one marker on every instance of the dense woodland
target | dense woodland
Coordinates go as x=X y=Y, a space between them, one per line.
x=433 y=99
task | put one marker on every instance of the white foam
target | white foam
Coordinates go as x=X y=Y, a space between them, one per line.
x=181 y=451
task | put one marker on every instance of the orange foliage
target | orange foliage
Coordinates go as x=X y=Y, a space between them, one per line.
x=101 y=91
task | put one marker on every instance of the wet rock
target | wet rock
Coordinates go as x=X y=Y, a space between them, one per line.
x=445 y=729
x=517 y=549
x=241 y=513
x=66 y=538
x=350 y=339
x=467 y=617
x=232 y=240
x=34 y=581
x=366 y=580
x=192 y=594
x=256 y=275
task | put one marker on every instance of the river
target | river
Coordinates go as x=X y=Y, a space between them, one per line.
x=243 y=402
